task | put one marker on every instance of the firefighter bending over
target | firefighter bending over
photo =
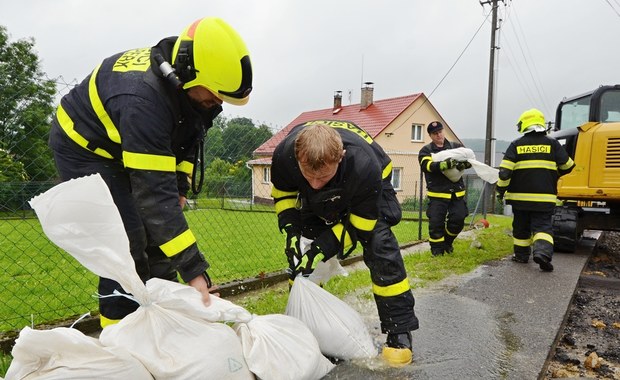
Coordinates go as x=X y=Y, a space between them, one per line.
x=332 y=184
x=139 y=120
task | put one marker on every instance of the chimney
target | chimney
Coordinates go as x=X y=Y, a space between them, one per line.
x=337 y=100
x=366 y=95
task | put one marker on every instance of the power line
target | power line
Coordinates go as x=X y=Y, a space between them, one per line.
x=449 y=70
x=612 y=7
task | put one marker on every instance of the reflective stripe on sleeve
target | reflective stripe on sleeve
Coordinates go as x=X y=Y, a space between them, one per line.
x=337 y=230
x=362 y=224
x=185 y=167
x=143 y=161
x=178 y=244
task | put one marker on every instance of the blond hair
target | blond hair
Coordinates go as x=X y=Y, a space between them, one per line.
x=318 y=145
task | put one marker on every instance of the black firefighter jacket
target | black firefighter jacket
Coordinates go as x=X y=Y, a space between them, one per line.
x=127 y=112
x=437 y=184
x=349 y=203
x=529 y=172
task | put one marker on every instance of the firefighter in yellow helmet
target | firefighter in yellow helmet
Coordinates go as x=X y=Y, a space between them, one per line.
x=139 y=120
x=528 y=177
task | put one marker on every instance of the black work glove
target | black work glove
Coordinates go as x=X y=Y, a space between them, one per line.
x=462 y=165
x=500 y=194
x=448 y=163
x=292 y=248
x=309 y=260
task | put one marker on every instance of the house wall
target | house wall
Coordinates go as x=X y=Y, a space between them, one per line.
x=396 y=141
x=261 y=187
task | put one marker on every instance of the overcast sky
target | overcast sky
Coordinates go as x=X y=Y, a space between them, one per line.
x=303 y=51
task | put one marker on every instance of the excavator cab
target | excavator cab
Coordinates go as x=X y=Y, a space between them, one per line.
x=588 y=125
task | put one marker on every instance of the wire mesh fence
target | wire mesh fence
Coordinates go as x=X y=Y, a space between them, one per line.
x=234 y=223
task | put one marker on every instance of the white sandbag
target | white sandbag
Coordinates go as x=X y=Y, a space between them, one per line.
x=172 y=332
x=64 y=353
x=279 y=347
x=486 y=172
x=338 y=328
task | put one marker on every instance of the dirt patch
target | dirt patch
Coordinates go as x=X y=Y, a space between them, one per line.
x=589 y=345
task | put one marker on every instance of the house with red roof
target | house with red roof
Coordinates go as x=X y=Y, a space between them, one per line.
x=397 y=124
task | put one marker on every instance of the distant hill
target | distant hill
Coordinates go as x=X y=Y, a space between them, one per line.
x=477 y=145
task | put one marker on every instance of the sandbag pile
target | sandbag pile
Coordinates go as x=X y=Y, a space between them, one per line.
x=172 y=335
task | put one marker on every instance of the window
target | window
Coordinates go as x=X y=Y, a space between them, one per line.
x=266 y=174
x=396 y=174
x=416 y=132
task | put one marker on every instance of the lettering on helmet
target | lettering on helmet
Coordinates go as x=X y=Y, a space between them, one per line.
x=344 y=125
x=133 y=60
x=524 y=149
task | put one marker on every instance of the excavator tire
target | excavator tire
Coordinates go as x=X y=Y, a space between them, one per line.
x=565 y=231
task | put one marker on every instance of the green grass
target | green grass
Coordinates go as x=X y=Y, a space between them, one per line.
x=422 y=268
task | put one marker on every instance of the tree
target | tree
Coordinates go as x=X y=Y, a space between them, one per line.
x=241 y=138
x=26 y=106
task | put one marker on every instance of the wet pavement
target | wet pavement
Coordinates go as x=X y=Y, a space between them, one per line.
x=498 y=322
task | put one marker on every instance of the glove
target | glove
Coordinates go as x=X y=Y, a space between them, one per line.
x=308 y=262
x=462 y=165
x=448 y=163
x=500 y=195
x=292 y=249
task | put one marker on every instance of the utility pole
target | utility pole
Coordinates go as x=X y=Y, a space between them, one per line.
x=489 y=146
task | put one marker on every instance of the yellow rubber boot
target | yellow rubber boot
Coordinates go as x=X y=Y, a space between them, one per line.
x=397 y=357
x=397 y=350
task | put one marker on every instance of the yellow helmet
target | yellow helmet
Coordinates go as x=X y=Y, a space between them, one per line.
x=529 y=118
x=211 y=54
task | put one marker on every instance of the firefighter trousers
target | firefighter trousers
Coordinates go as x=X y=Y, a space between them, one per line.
x=532 y=231
x=446 y=219
x=150 y=261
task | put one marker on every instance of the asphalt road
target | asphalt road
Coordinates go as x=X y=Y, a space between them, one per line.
x=498 y=322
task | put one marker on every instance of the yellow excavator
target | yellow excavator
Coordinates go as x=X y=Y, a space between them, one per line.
x=588 y=125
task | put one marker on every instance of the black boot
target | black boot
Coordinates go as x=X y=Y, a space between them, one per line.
x=437 y=251
x=543 y=262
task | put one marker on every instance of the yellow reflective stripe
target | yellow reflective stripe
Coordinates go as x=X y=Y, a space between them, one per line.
x=387 y=170
x=362 y=224
x=450 y=233
x=522 y=242
x=503 y=182
x=506 y=164
x=445 y=195
x=391 y=290
x=568 y=164
x=427 y=161
x=543 y=236
x=143 y=161
x=105 y=322
x=67 y=125
x=337 y=230
x=281 y=194
x=430 y=239
x=439 y=195
x=531 y=197
x=185 y=167
x=178 y=244
x=284 y=204
x=103 y=116
x=536 y=164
